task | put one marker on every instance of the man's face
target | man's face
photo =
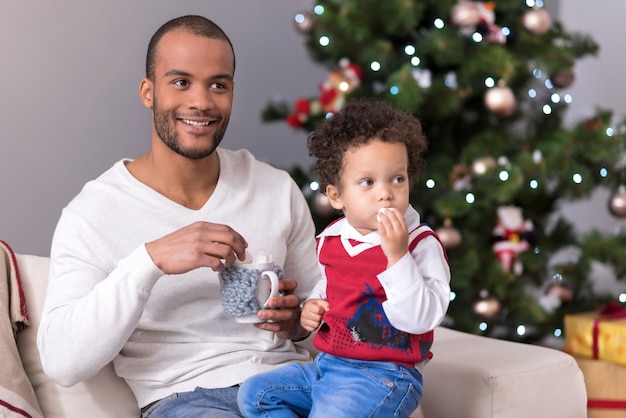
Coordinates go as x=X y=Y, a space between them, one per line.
x=192 y=93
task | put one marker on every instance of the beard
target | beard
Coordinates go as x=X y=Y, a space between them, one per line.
x=165 y=126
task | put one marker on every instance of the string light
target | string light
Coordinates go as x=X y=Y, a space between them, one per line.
x=547 y=109
x=439 y=23
x=577 y=178
x=490 y=82
x=558 y=332
x=534 y=184
x=470 y=198
x=604 y=172
x=318 y=9
x=324 y=41
x=483 y=326
x=503 y=175
x=532 y=93
x=533 y=3
x=375 y=66
x=430 y=183
x=521 y=330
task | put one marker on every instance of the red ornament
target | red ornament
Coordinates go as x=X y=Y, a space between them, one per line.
x=332 y=95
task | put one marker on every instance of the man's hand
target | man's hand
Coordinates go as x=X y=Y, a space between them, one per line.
x=312 y=313
x=201 y=244
x=394 y=234
x=284 y=314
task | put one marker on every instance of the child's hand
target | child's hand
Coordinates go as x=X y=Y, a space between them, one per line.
x=312 y=313
x=394 y=234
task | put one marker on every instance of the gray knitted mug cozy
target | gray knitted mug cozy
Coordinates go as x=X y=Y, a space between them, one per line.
x=238 y=287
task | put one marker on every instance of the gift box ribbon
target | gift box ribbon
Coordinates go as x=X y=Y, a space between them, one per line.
x=611 y=310
x=605 y=404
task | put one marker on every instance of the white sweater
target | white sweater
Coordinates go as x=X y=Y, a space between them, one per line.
x=106 y=299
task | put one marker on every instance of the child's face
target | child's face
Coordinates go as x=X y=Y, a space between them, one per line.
x=374 y=176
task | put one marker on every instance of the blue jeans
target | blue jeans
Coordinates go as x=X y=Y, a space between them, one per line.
x=332 y=387
x=201 y=403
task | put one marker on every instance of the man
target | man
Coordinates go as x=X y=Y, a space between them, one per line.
x=135 y=256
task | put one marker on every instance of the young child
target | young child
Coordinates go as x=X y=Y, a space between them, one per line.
x=386 y=278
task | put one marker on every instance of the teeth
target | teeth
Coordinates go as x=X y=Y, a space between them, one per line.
x=196 y=124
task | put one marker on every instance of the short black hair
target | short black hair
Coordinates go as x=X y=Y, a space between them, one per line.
x=193 y=24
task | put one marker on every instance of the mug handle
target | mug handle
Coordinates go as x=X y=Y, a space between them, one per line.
x=265 y=293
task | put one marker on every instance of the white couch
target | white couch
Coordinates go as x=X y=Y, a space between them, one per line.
x=469 y=376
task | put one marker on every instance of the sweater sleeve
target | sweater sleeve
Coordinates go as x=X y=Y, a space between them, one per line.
x=85 y=304
x=418 y=288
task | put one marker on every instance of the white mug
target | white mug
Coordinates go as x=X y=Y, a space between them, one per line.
x=247 y=288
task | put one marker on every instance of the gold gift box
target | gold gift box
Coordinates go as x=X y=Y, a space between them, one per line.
x=606 y=388
x=595 y=336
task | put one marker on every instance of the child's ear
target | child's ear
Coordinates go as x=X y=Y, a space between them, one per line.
x=334 y=197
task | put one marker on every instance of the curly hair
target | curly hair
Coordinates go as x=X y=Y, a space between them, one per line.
x=357 y=123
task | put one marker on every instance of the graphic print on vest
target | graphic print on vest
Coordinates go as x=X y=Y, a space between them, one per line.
x=370 y=325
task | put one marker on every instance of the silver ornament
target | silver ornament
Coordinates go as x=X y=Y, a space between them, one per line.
x=617 y=203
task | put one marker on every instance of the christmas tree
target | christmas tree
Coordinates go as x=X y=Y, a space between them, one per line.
x=489 y=82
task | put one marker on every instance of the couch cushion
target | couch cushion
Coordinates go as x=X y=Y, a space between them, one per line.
x=497 y=378
x=103 y=396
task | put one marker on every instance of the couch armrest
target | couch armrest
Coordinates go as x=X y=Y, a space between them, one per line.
x=472 y=376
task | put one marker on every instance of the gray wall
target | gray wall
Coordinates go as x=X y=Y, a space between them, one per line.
x=69 y=105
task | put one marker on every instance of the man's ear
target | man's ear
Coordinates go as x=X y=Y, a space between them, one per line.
x=334 y=197
x=146 y=92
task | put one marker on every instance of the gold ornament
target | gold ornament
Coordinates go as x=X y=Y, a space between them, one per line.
x=305 y=22
x=321 y=205
x=460 y=177
x=594 y=124
x=562 y=293
x=483 y=164
x=537 y=21
x=465 y=14
x=487 y=307
x=449 y=236
x=500 y=100
x=556 y=294
x=563 y=78
x=617 y=203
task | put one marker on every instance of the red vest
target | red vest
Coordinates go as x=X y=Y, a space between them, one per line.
x=356 y=326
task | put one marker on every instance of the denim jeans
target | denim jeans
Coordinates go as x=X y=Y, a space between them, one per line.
x=201 y=403
x=332 y=387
